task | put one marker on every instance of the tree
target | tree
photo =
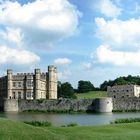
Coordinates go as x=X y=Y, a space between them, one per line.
x=65 y=90
x=85 y=86
x=59 y=88
x=104 y=85
x=121 y=81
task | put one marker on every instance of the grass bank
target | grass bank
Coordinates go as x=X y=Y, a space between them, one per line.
x=91 y=94
x=12 y=130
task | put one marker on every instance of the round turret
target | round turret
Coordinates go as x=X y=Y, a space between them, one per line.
x=103 y=105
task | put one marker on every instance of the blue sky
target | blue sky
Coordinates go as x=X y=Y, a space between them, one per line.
x=93 y=40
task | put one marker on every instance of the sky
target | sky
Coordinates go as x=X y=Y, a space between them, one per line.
x=94 y=40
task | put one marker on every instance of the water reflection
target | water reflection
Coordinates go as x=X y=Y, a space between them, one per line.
x=60 y=119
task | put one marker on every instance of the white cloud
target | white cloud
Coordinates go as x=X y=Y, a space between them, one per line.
x=119 y=33
x=63 y=75
x=34 y=24
x=62 y=61
x=17 y=56
x=87 y=66
x=108 y=8
x=41 y=20
x=117 y=58
x=12 y=35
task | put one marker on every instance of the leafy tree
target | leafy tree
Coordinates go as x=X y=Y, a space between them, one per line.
x=65 y=90
x=85 y=86
x=59 y=88
x=104 y=85
x=121 y=81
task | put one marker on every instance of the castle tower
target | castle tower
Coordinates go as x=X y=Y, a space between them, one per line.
x=37 y=84
x=52 y=82
x=9 y=84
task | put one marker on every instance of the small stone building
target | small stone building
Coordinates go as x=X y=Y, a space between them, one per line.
x=30 y=86
x=123 y=91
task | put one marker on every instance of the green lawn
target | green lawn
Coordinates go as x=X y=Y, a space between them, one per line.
x=91 y=94
x=12 y=130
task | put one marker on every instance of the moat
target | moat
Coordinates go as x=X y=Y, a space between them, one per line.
x=60 y=119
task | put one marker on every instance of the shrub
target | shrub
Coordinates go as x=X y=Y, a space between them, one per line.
x=38 y=123
x=70 y=125
x=126 y=120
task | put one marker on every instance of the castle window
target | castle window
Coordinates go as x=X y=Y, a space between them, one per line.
x=122 y=96
x=114 y=96
x=19 y=95
x=29 y=95
x=14 y=95
x=14 y=84
x=19 y=84
x=29 y=83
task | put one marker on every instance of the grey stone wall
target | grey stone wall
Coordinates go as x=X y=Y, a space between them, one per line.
x=58 y=105
x=126 y=104
x=98 y=105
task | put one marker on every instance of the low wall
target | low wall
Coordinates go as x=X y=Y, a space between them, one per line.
x=98 y=105
x=126 y=104
x=11 y=105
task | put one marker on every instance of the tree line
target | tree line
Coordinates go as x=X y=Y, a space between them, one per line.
x=124 y=80
x=65 y=90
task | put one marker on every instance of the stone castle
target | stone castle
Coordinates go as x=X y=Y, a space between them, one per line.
x=29 y=86
x=123 y=91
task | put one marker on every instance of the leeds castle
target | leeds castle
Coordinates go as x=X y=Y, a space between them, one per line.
x=29 y=86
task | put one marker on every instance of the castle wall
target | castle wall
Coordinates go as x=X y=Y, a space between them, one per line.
x=9 y=84
x=123 y=91
x=126 y=104
x=60 y=105
x=29 y=86
x=136 y=91
x=98 y=105
x=11 y=105
x=103 y=105
x=52 y=82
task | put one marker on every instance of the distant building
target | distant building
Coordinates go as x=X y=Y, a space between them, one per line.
x=123 y=91
x=35 y=85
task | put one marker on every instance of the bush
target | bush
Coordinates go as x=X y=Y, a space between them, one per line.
x=126 y=120
x=70 y=125
x=38 y=123
x=40 y=100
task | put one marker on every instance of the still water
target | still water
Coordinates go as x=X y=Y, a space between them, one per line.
x=60 y=119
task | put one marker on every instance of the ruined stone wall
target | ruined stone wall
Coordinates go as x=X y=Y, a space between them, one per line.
x=126 y=104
